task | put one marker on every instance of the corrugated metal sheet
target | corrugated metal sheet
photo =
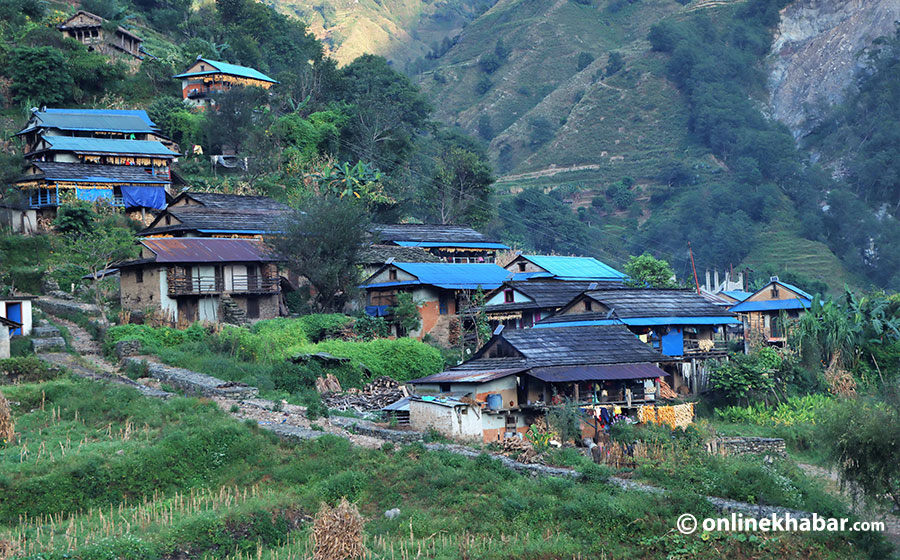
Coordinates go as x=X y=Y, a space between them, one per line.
x=467 y=376
x=573 y=321
x=773 y=305
x=207 y=250
x=575 y=268
x=739 y=295
x=457 y=276
x=596 y=373
x=109 y=146
x=456 y=244
x=232 y=69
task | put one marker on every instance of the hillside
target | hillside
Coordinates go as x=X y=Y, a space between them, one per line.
x=400 y=30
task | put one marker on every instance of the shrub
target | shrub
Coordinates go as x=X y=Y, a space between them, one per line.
x=807 y=409
x=483 y=85
x=28 y=369
x=153 y=338
x=584 y=60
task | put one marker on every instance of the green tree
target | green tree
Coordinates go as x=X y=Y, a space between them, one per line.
x=614 y=63
x=459 y=191
x=743 y=377
x=95 y=245
x=320 y=243
x=406 y=313
x=648 y=271
x=39 y=75
x=584 y=60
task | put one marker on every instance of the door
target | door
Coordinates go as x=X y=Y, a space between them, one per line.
x=252 y=281
x=14 y=313
x=187 y=309
x=252 y=308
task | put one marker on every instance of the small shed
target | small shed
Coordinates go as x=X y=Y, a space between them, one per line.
x=398 y=411
x=18 y=310
x=448 y=415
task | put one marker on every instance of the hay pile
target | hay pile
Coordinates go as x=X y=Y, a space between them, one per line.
x=7 y=427
x=840 y=381
x=7 y=549
x=338 y=532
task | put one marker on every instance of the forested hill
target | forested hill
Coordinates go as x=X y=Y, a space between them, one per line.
x=613 y=126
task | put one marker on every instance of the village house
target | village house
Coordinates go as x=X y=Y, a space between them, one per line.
x=196 y=214
x=88 y=155
x=372 y=257
x=205 y=78
x=766 y=312
x=531 y=267
x=6 y=327
x=119 y=43
x=202 y=279
x=438 y=288
x=452 y=244
x=519 y=375
x=679 y=323
x=521 y=304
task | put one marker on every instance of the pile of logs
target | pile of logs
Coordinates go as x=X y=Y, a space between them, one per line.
x=375 y=395
x=519 y=449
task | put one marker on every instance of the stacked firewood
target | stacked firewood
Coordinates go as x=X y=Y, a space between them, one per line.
x=375 y=395
x=666 y=392
x=519 y=449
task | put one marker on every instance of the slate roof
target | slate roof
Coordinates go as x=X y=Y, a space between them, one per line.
x=544 y=293
x=207 y=250
x=380 y=254
x=612 y=344
x=642 y=302
x=451 y=276
x=108 y=146
x=575 y=268
x=434 y=235
x=100 y=21
x=228 y=68
x=105 y=120
x=203 y=219
x=93 y=173
x=233 y=201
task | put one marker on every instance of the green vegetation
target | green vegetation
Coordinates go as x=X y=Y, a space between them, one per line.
x=794 y=410
x=259 y=355
x=181 y=476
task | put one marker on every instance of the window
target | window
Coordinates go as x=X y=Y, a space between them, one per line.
x=383 y=298
x=139 y=276
x=508 y=296
x=442 y=304
x=392 y=274
x=521 y=267
x=445 y=387
x=588 y=305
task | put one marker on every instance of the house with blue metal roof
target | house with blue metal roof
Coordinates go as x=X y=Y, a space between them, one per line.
x=767 y=312
x=679 y=323
x=206 y=77
x=529 y=267
x=116 y=156
x=438 y=288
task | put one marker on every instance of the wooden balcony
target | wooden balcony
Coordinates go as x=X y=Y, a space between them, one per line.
x=695 y=349
x=186 y=285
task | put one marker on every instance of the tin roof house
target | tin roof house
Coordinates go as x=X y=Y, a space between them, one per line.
x=520 y=374
x=454 y=244
x=91 y=154
x=438 y=288
x=679 y=323
x=530 y=267
x=206 y=77
x=202 y=279
x=765 y=312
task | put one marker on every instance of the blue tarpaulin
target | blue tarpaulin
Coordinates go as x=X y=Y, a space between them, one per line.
x=90 y=195
x=146 y=197
x=378 y=310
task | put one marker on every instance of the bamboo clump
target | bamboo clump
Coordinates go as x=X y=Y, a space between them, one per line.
x=7 y=427
x=338 y=532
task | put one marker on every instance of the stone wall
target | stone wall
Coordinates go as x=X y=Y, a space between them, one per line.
x=194 y=383
x=747 y=446
x=126 y=348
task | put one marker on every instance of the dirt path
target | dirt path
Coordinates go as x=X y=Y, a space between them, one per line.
x=833 y=486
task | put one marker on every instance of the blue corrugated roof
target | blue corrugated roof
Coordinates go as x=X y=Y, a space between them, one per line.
x=739 y=295
x=645 y=322
x=140 y=113
x=772 y=305
x=575 y=268
x=231 y=69
x=94 y=120
x=457 y=276
x=452 y=244
x=520 y=276
x=108 y=146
